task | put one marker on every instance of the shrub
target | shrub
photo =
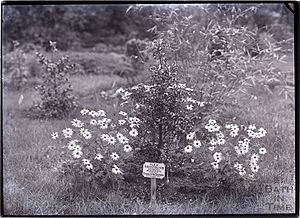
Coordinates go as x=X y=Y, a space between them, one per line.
x=56 y=95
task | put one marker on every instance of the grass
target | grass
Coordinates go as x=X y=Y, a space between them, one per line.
x=32 y=185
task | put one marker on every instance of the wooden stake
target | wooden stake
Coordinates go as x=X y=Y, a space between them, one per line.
x=153 y=191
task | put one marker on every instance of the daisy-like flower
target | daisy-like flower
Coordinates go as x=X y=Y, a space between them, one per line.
x=254 y=157
x=262 y=150
x=190 y=136
x=220 y=135
x=116 y=170
x=197 y=144
x=101 y=113
x=99 y=157
x=212 y=122
x=233 y=133
x=210 y=128
x=89 y=166
x=77 y=153
x=251 y=175
x=103 y=126
x=123 y=113
x=94 y=114
x=133 y=132
x=77 y=123
x=237 y=149
x=201 y=103
x=105 y=137
x=221 y=141
x=127 y=148
x=211 y=148
x=54 y=135
x=242 y=172
x=188 y=149
x=238 y=166
x=217 y=156
x=254 y=168
x=213 y=142
x=216 y=127
x=85 y=161
x=72 y=144
x=111 y=140
x=120 y=90
x=121 y=122
x=114 y=156
x=262 y=132
x=252 y=127
x=84 y=112
x=93 y=122
x=215 y=165
x=67 y=132
x=189 y=107
x=134 y=120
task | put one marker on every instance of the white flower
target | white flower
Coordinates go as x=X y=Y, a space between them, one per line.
x=217 y=156
x=93 y=122
x=77 y=123
x=215 y=165
x=85 y=161
x=101 y=113
x=54 y=135
x=237 y=149
x=213 y=142
x=123 y=113
x=120 y=90
x=77 y=153
x=94 y=114
x=197 y=144
x=67 y=132
x=254 y=158
x=254 y=168
x=89 y=166
x=116 y=170
x=242 y=172
x=72 y=144
x=103 y=126
x=127 y=148
x=211 y=148
x=220 y=135
x=233 y=133
x=105 y=137
x=212 y=122
x=189 y=107
x=210 y=128
x=238 y=166
x=252 y=127
x=188 y=149
x=85 y=133
x=99 y=157
x=111 y=140
x=221 y=141
x=114 y=156
x=216 y=127
x=84 y=111
x=134 y=120
x=121 y=122
x=133 y=132
x=190 y=136
x=262 y=151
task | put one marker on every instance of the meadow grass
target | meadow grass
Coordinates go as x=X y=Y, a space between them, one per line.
x=32 y=182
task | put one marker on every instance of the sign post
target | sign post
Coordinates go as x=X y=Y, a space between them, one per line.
x=153 y=171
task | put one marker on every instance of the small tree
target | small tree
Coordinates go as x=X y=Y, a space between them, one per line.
x=56 y=94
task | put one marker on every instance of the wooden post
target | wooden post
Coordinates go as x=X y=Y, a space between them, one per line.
x=153 y=191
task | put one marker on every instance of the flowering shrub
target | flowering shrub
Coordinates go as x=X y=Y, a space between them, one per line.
x=169 y=119
x=56 y=93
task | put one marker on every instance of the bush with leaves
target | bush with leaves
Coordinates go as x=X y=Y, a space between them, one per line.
x=16 y=68
x=57 y=99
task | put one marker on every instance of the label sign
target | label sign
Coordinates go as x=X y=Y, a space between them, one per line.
x=154 y=170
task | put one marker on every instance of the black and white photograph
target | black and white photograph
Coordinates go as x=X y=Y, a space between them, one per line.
x=155 y=108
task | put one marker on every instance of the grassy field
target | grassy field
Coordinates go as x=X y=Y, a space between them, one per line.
x=32 y=185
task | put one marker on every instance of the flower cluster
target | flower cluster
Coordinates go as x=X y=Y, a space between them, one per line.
x=234 y=129
x=261 y=132
x=94 y=124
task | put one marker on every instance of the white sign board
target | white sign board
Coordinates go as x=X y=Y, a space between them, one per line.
x=154 y=170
